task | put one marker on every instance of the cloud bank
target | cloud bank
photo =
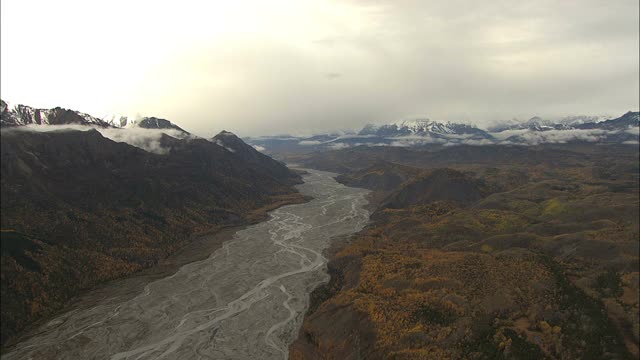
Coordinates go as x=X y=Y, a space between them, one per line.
x=303 y=66
x=145 y=139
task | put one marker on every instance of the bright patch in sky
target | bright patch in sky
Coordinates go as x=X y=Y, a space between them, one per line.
x=266 y=67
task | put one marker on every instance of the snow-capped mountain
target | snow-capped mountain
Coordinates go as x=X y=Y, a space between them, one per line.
x=119 y=120
x=537 y=123
x=625 y=122
x=127 y=121
x=583 y=119
x=624 y=129
x=418 y=126
x=20 y=115
x=425 y=132
x=405 y=133
x=423 y=127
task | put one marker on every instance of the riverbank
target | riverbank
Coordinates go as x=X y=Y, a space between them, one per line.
x=125 y=288
x=246 y=300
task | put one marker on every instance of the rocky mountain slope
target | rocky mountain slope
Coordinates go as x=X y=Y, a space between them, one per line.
x=79 y=209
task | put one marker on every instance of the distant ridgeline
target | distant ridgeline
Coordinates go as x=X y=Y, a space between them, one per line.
x=424 y=132
x=90 y=200
x=20 y=115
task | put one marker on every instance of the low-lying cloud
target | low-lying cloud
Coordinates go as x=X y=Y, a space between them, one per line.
x=145 y=139
x=521 y=137
x=309 y=142
x=529 y=137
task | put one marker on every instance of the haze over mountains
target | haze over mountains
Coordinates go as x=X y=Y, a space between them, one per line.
x=404 y=133
x=421 y=132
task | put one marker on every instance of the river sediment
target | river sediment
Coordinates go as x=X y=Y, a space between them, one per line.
x=244 y=301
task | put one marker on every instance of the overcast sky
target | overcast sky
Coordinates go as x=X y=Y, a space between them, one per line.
x=269 y=67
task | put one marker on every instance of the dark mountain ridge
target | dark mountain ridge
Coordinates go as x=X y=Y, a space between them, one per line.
x=79 y=209
x=156 y=123
x=438 y=185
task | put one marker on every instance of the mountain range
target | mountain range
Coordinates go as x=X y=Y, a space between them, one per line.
x=425 y=132
x=20 y=115
x=405 y=133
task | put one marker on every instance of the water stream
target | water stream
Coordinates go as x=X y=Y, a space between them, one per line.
x=245 y=301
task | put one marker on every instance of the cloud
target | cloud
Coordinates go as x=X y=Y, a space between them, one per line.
x=259 y=148
x=145 y=139
x=457 y=60
x=530 y=137
x=338 y=146
x=309 y=142
x=633 y=130
x=406 y=141
x=281 y=137
x=508 y=137
x=477 y=142
x=372 y=144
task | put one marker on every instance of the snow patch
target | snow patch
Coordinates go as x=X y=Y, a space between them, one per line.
x=218 y=142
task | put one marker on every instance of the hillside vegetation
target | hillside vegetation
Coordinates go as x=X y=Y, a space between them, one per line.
x=79 y=209
x=531 y=255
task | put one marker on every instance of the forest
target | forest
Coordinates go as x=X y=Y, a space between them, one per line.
x=529 y=255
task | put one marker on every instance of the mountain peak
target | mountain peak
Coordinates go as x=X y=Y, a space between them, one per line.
x=20 y=115
x=157 y=123
x=226 y=133
x=369 y=129
x=421 y=127
x=231 y=142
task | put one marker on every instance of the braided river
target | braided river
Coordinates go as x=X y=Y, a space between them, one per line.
x=246 y=300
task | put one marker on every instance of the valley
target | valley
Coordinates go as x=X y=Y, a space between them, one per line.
x=320 y=180
x=436 y=250
x=246 y=300
x=79 y=209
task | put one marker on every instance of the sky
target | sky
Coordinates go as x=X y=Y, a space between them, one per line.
x=301 y=67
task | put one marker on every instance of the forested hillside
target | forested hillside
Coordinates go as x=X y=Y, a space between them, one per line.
x=483 y=253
